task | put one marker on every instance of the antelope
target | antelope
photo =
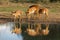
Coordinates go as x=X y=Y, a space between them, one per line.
x=16 y=15
x=33 y=9
x=36 y=9
x=43 y=11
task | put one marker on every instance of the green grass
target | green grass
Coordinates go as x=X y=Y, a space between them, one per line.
x=54 y=8
x=9 y=9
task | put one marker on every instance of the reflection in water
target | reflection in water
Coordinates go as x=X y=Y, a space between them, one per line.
x=5 y=32
x=54 y=34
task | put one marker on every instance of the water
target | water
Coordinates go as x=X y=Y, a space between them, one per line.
x=54 y=34
x=6 y=34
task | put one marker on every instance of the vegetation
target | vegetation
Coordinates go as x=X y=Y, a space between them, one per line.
x=10 y=5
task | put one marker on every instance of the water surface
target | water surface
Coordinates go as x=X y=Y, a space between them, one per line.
x=6 y=34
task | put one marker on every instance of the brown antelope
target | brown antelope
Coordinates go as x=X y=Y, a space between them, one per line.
x=17 y=14
x=45 y=31
x=43 y=11
x=36 y=9
x=33 y=9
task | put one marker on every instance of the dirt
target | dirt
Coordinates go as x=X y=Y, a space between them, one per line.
x=52 y=18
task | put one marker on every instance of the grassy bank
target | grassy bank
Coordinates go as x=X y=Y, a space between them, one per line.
x=53 y=7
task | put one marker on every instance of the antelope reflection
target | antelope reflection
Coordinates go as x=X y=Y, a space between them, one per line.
x=38 y=30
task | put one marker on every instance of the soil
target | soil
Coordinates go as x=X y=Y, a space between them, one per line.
x=52 y=18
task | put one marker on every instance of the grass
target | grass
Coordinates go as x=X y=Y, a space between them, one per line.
x=9 y=9
x=53 y=8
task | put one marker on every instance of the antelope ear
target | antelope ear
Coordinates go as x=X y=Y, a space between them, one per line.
x=13 y=11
